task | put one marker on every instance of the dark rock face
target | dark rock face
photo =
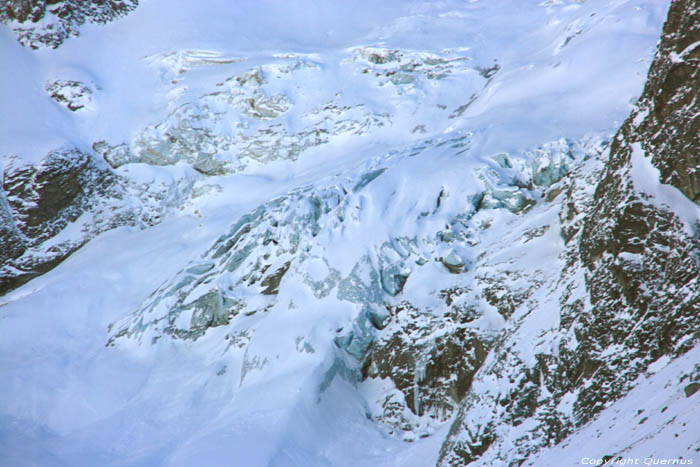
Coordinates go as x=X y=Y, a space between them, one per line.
x=431 y=361
x=40 y=201
x=643 y=265
x=642 y=278
x=43 y=197
x=628 y=293
x=67 y=188
x=61 y=19
x=13 y=241
x=668 y=131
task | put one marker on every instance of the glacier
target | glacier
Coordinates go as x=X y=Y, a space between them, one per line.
x=322 y=233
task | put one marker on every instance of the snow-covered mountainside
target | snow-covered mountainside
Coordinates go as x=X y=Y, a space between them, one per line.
x=403 y=233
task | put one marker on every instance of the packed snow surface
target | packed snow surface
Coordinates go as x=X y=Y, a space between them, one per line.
x=370 y=111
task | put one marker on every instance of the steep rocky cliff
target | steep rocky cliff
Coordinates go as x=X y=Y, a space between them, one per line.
x=666 y=121
x=628 y=293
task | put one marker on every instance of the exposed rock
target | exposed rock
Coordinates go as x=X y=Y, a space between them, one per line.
x=628 y=292
x=48 y=23
x=68 y=188
x=665 y=121
x=691 y=389
x=430 y=360
x=13 y=240
x=43 y=197
x=642 y=263
x=72 y=94
x=272 y=282
x=40 y=201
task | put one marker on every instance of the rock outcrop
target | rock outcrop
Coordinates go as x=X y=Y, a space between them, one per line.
x=51 y=209
x=40 y=201
x=74 y=95
x=666 y=122
x=46 y=23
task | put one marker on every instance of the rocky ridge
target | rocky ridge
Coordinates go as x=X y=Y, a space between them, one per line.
x=628 y=292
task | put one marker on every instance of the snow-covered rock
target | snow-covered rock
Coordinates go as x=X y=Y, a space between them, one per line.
x=74 y=95
x=53 y=208
x=43 y=23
